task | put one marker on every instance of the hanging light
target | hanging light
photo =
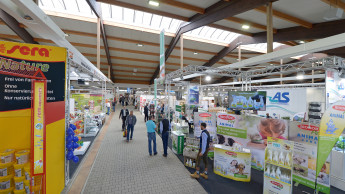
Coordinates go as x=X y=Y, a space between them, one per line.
x=245 y=26
x=154 y=3
x=208 y=78
x=300 y=75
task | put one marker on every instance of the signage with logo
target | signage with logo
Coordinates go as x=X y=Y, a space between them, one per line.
x=231 y=163
x=16 y=93
x=278 y=166
x=193 y=96
x=211 y=121
x=286 y=103
x=331 y=126
x=247 y=100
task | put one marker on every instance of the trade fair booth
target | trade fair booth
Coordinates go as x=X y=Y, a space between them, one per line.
x=276 y=129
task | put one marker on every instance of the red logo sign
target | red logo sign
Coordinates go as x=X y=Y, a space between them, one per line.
x=231 y=153
x=226 y=117
x=277 y=184
x=339 y=107
x=24 y=50
x=308 y=127
x=205 y=115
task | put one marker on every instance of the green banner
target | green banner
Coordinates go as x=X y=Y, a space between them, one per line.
x=233 y=132
x=331 y=126
x=311 y=184
x=178 y=108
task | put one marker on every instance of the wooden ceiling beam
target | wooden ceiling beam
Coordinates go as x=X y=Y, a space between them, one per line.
x=132 y=66
x=335 y=3
x=251 y=24
x=286 y=17
x=125 y=81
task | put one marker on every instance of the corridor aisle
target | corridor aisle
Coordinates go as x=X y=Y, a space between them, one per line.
x=122 y=167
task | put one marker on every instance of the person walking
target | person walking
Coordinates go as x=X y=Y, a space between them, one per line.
x=108 y=107
x=123 y=114
x=165 y=127
x=151 y=134
x=122 y=99
x=146 y=112
x=205 y=140
x=114 y=103
x=130 y=122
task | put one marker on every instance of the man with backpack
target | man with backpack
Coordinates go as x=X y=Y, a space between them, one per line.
x=205 y=140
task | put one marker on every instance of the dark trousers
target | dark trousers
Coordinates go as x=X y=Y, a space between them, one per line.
x=130 y=128
x=124 y=123
x=165 y=138
x=146 y=117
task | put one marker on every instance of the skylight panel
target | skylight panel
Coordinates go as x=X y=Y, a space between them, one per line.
x=210 y=32
x=71 y=6
x=216 y=34
x=105 y=10
x=156 y=21
x=204 y=31
x=60 y=4
x=139 y=17
x=147 y=18
x=174 y=25
x=232 y=36
x=196 y=31
x=128 y=15
x=165 y=23
x=116 y=12
x=46 y=4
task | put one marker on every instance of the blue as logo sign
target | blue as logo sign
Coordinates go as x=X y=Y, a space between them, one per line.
x=280 y=97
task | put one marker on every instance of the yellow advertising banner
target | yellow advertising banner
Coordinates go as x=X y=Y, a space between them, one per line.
x=38 y=127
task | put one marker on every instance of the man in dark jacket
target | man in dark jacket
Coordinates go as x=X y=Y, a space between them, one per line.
x=165 y=127
x=123 y=114
x=146 y=112
x=130 y=122
x=205 y=140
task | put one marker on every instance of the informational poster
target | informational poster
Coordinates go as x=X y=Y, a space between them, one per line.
x=38 y=127
x=232 y=163
x=335 y=87
x=250 y=132
x=247 y=100
x=285 y=103
x=331 y=126
x=278 y=166
x=16 y=91
x=193 y=96
x=211 y=121
x=305 y=136
x=93 y=102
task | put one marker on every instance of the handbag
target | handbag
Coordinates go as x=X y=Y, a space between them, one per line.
x=125 y=133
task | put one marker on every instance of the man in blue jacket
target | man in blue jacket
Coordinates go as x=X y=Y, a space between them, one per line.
x=205 y=140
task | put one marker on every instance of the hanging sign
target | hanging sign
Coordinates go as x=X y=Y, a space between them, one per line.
x=193 y=96
x=38 y=127
x=162 y=55
x=331 y=126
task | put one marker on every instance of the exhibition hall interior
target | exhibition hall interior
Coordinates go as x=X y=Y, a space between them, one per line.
x=172 y=96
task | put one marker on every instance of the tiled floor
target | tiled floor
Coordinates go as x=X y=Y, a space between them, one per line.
x=122 y=167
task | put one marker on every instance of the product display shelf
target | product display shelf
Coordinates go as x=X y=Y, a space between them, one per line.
x=82 y=150
x=90 y=127
x=276 y=164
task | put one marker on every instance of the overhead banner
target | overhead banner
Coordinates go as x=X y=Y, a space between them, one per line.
x=248 y=100
x=193 y=95
x=38 y=127
x=250 y=132
x=335 y=87
x=331 y=126
x=162 y=55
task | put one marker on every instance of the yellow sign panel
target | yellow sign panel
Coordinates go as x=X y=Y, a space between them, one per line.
x=38 y=127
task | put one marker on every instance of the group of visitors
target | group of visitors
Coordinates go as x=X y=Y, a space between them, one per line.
x=129 y=120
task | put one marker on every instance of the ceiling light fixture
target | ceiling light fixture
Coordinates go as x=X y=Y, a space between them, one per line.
x=301 y=42
x=300 y=75
x=245 y=26
x=140 y=45
x=208 y=78
x=135 y=70
x=154 y=3
x=66 y=34
x=195 y=53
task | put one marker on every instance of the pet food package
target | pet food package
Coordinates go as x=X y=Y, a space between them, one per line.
x=232 y=163
x=278 y=166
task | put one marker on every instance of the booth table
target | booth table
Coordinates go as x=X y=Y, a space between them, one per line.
x=177 y=142
x=232 y=163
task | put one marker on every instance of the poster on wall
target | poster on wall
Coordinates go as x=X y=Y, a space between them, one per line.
x=211 y=121
x=16 y=92
x=335 y=87
x=285 y=103
x=93 y=102
x=248 y=100
x=193 y=96
x=278 y=166
x=232 y=163
x=250 y=132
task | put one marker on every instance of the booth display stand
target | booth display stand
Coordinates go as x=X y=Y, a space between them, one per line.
x=82 y=149
x=177 y=142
